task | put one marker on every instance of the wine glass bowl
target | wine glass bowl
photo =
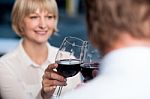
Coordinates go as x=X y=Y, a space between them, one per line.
x=70 y=56
x=90 y=65
x=68 y=68
x=89 y=71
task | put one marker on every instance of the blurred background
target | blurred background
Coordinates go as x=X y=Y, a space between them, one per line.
x=71 y=23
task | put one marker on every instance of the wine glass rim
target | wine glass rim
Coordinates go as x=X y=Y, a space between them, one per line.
x=84 y=41
x=75 y=38
x=92 y=65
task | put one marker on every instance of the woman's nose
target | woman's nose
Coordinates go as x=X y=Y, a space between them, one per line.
x=42 y=23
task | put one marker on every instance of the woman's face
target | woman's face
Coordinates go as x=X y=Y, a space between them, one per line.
x=38 y=26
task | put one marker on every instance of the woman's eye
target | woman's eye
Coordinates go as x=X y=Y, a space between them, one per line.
x=33 y=17
x=50 y=17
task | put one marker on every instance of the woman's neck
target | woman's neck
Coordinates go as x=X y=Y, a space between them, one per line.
x=37 y=52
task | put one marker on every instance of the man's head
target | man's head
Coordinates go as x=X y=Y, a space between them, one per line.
x=108 y=19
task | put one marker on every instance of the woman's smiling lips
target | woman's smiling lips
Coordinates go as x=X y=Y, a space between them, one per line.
x=41 y=32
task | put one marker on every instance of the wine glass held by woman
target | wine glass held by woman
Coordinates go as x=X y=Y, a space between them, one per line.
x=69 y=57
x=68 y=60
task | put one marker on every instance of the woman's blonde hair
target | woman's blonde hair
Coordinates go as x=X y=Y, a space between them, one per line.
x=23 y=8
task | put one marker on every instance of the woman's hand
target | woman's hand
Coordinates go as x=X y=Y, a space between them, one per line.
x=51 y=79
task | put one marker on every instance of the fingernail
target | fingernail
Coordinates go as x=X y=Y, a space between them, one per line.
x=54 y=87
x=65 y=79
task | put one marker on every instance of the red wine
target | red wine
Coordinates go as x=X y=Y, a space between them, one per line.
x=88 y=70
x=68 y=68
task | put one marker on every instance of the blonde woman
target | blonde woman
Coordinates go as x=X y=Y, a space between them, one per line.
x=21 y=70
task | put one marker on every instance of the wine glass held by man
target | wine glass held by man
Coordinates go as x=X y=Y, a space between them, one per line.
x=21 y=70
x=120 y=29
x=90 y=67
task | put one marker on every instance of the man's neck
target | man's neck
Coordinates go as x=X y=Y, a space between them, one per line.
x=127 y=41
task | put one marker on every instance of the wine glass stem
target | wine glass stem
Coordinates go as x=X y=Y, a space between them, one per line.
x=59 y=91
